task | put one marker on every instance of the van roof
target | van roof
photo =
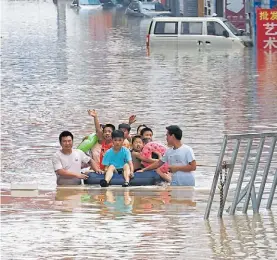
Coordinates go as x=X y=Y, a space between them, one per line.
x=174 y=19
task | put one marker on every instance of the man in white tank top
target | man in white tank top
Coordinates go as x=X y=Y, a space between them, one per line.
x=180 y=158
x=67 y=162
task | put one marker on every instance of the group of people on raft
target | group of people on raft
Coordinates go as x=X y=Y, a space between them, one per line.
x=119 y=152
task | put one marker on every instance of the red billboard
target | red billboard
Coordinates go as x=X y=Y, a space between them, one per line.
x=235 y=12
x=267 y=29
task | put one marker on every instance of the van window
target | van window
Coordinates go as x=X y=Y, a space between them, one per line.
x=192 y=28
x=215 y=28
x=166 y=28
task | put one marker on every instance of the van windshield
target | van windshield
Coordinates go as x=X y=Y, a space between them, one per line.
x=232 y=28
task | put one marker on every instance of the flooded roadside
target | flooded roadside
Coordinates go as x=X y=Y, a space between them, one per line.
x=55 y=65
x=133 y=223
x=99 y=60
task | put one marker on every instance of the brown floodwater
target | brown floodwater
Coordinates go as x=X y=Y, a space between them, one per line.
x=132 y=223
x=55 y=64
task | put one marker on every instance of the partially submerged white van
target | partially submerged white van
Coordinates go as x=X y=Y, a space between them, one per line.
x=195 y=32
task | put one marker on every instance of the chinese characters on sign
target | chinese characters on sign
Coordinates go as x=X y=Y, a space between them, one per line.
x=267 y=29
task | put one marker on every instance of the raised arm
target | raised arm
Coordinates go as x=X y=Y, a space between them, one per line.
x=98 y=128
x=132 y=119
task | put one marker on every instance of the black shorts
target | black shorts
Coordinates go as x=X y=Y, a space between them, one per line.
x=119 y=171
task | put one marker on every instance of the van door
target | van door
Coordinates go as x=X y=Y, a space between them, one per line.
x=191 y=35
x=165 y=32
x=217 y=36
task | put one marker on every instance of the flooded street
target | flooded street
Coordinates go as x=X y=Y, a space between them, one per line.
x=138 y=223
x=56 y=63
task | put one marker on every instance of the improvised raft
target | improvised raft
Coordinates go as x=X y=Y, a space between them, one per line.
x=140 y=178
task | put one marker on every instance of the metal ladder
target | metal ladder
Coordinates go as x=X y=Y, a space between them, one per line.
x=249 y=190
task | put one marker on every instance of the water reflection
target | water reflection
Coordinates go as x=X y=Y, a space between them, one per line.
x=266 y=83
x=242 y=237
x=161 y=223
x=221 y=248
x=132 y=201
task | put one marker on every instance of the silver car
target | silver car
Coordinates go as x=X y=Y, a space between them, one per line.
x=146 y=9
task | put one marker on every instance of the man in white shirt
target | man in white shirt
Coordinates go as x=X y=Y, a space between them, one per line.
x=67 y=162
x=180 y=158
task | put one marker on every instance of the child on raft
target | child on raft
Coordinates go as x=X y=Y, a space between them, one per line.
x=104 y=134
x=104 y=140
x=139 y=128
x=117 y=160
x=147 y=133
x=125 y=128
x=137 y=158
x=144 y=154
